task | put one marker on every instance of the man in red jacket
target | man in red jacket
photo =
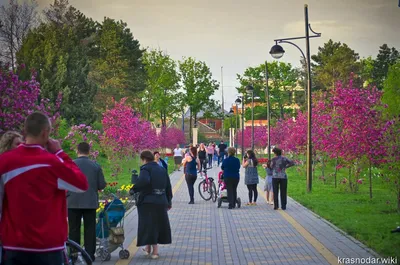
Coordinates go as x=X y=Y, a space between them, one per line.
x=33 y=181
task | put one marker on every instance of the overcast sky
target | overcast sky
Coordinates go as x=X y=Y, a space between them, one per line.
x=236 y=34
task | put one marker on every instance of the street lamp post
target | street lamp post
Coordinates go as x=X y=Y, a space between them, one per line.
x=231 y=128
x=250 y=89
x=237 y=121
x=238 y=101
x=268 y=111
x=277 y=52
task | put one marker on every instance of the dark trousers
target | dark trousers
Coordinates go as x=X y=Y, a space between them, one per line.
x=89 y=227
x=231 y=188
x=12 y=257
x=203 y=164
x=252 y=191
x=210 y=160
x=280 y=185
x=221 y=158
x=190 y=180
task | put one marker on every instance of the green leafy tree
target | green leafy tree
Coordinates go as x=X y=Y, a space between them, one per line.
x=198 y=85
x=283 y=79
x=385 y=58
x=117 y=63
x=334 y=62
x=161 y=95
x=366 y=70
x=391 y=95
x=62 y=64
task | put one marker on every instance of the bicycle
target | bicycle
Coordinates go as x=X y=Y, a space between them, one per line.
x=74 y=254
x=207 y=188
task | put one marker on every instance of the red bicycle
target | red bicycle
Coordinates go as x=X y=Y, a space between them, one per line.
x=207 y=188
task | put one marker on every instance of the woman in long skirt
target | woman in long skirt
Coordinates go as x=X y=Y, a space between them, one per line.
x=155 y=195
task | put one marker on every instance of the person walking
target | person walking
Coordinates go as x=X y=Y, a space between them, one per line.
x=191 y=164
x=268 y=183
x=33 y=205
x=178 y=155
x=210 y=154
x=84 y=205
x=251 y=178
x=161 y=162
x=202 y=153
x=279 y=164
x=10 y=140
x=155 y=200
x=230 y=167
x=221 y=152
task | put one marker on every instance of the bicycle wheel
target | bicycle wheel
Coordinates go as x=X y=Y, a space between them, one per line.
x=204 y=190
x=72 y=253
x=214 y=194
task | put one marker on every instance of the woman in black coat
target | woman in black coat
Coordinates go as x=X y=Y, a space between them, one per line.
x=155 y=195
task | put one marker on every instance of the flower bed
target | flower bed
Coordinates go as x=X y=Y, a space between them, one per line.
x=111 y=191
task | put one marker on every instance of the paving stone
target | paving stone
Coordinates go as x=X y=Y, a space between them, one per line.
x=204 y=234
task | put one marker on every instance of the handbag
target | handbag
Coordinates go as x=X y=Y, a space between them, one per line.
x=117 y=235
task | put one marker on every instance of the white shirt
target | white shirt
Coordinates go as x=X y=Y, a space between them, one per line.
x=177 y=152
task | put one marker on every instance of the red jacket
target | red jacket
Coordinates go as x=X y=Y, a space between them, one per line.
x=33 y=211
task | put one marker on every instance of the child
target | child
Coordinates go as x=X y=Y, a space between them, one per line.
x=268 y=183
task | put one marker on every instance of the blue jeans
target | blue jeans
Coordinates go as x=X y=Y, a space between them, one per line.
x=221 y=158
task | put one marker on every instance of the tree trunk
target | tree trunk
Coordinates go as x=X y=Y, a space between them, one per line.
x=190 y=126
x=350 y=183
x=370 y=179
x=323 y=168
x=398 y=200
x=336 y=170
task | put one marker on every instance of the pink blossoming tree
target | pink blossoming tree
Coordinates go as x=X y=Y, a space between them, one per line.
x=20 y=98
x=125 y=134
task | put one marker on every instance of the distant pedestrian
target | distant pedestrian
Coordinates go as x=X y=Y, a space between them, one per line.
x=191 y=164
x=231 y=167
x=279 y=164
x=202 y=153
x=210 y=154
x=221 y=152
x=84 y=205
x=178 y=156
x=268 y=183
x=161 y=162
x=251 y=176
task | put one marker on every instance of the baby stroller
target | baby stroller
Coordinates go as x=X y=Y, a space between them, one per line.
x=222 y=192
x=110 y=230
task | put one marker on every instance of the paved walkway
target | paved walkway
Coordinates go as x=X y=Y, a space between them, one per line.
x=204 y=234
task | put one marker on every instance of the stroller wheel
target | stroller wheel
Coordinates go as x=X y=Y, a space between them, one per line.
x=219 y=202
x=124 y=254
x=238 y=202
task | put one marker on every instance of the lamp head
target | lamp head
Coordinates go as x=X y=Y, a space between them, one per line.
x=238 y=101
x=249 y=89
x=277 y=51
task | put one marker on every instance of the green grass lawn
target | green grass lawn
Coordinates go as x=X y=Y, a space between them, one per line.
x=368 y=220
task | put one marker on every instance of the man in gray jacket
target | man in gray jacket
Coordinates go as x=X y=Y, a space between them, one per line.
x=84 y=205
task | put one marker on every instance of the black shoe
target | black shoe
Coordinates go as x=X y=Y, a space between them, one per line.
x=230 y=208
x=275 y=208
x=191 y=202
x=283 y=208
